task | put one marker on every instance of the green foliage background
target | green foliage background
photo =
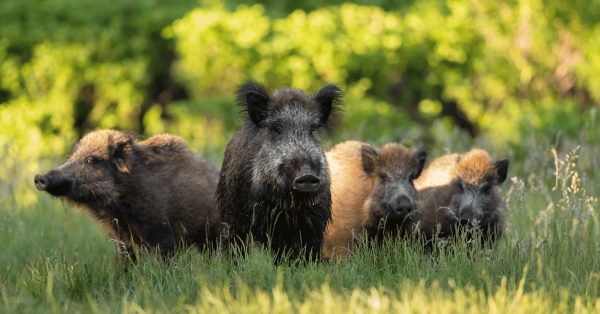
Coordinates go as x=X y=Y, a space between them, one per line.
x=412 y=71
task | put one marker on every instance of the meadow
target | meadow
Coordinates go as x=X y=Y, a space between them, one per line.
x=56 y=259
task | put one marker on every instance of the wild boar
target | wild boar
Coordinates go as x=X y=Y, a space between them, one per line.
x=460 y=190
x=154 y=194
x=372 y=191
x=274 y=182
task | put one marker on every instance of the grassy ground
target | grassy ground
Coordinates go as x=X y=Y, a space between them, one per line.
x=54 y=258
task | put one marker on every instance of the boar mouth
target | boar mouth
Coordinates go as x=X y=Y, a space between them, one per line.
x=52 y=184
x=399 y=208
x=307 y=183
x=472 y=222
x=397 y=219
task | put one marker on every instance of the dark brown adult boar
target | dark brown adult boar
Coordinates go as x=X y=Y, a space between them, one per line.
x=460 y=192
x=274 y=183
x=372 y=191
x=154 y=194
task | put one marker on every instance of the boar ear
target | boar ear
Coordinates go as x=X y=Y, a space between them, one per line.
x=256 y=100
x=369 y=158
x=501 y=166
x=329 y=98
x=121 y=149
x=421 y=157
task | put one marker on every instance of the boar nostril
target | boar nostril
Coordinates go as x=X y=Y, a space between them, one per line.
x=40 y=182
x=465 y=216
x=404 y=206
x=307 y=183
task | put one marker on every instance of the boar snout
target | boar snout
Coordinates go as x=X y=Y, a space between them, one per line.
x=466 y=215
x=40 y=182
x=307 y=182
x=404 y=206
x=401 y=207
x=52 y=182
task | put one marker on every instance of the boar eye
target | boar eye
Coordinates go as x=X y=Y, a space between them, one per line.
x=383 y=177
x=90 y=160
x=486 y=189
x=277 y=128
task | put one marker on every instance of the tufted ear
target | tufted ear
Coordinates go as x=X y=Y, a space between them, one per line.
x=121 y=152
x=369 y=158
x=501 y=170
x=421 y=156
x=329 y=98
x=256 y=100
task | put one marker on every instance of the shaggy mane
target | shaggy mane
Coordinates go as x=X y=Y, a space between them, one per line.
x=475 y=167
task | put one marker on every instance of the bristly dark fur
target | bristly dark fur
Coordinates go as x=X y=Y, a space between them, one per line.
x=135 y=190
x=254 y=99
x=255 y=194
x=401 y=167
x=287 y=232
x=251 y=87
x=291 y=225
x=333 y=95
x=459 y=193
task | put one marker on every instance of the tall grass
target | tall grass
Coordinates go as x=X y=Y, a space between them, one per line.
x=54 y=258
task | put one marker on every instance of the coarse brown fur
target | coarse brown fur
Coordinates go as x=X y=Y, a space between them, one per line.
x=458 y=190
x=153 y=195
x=364 y=181
x=350 y=189
x=475 y=167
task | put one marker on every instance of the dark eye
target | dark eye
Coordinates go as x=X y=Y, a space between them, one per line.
x=277 y=128
x=486 y=189
x=383 y=177
x=461 y=186
x=90 y=160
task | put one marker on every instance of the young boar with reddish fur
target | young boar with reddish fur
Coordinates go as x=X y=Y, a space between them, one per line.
x=154 y=194
x=460 y=190
x=274 y=183
x=372 y=191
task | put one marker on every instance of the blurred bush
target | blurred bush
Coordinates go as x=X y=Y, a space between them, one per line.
x=101 y=62
x=67 y=66
x=502 y=68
